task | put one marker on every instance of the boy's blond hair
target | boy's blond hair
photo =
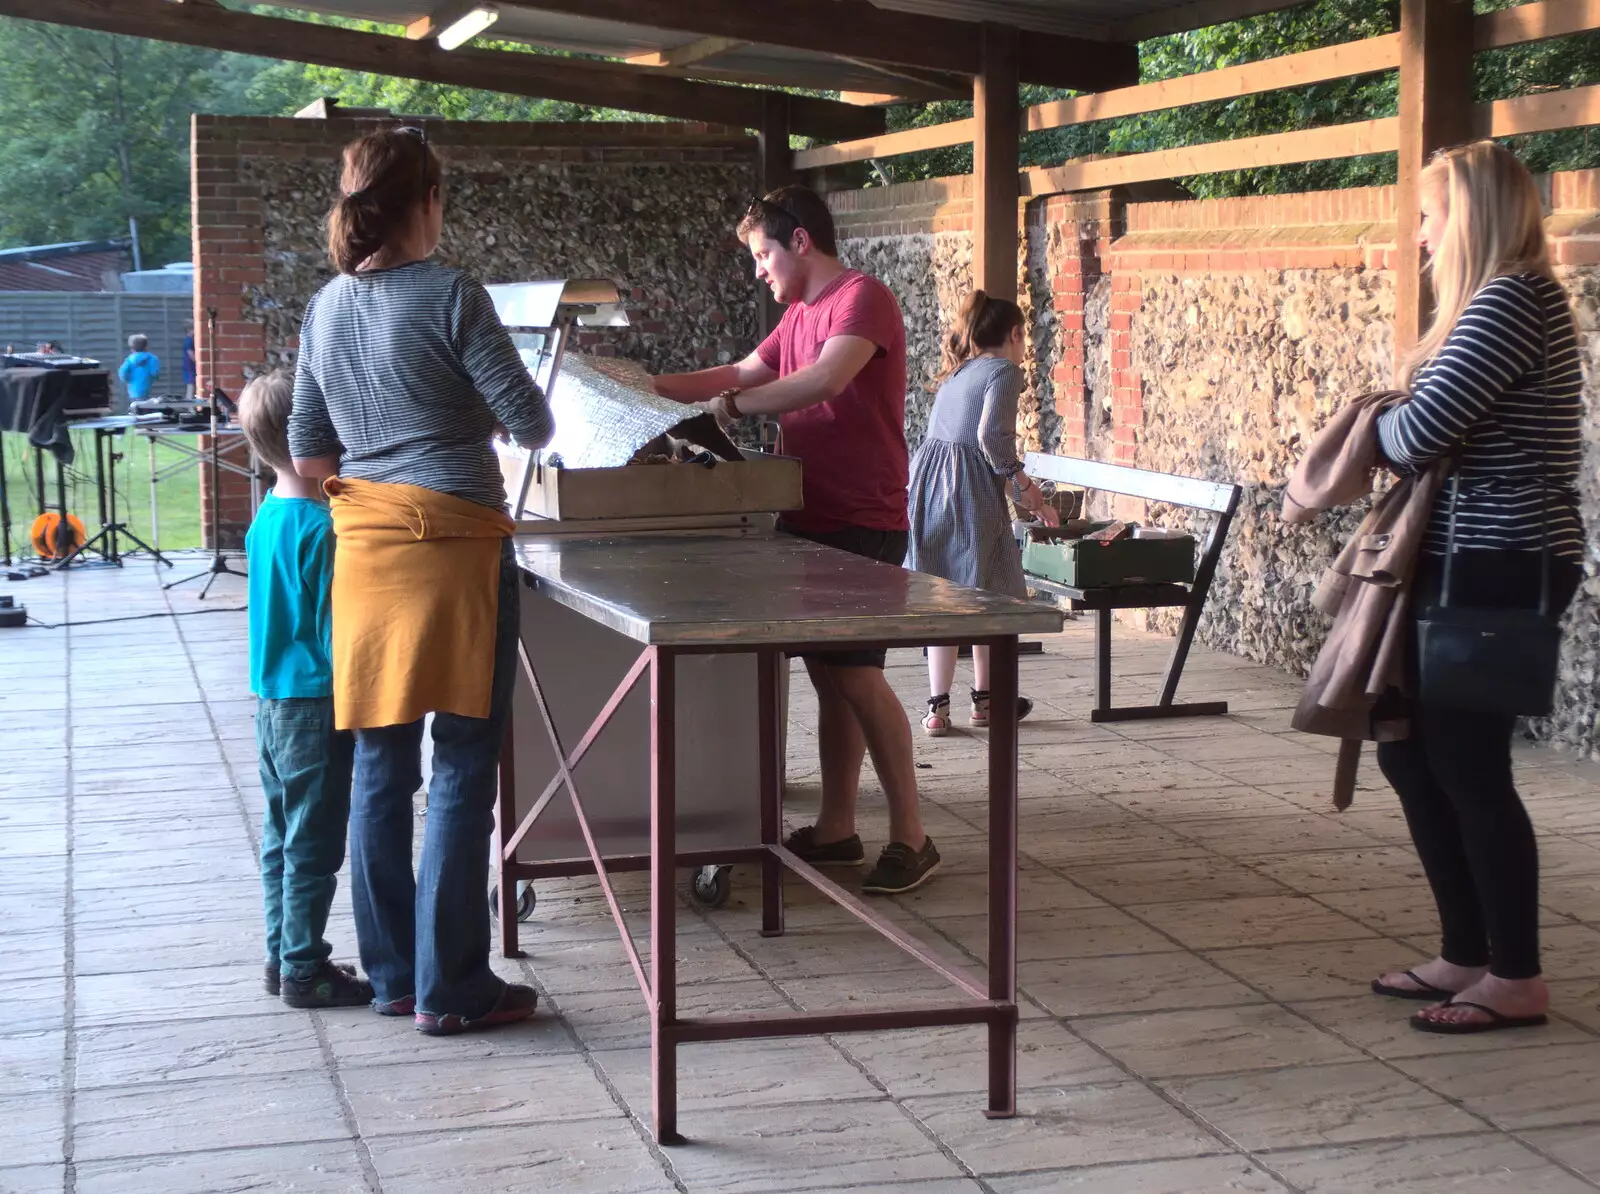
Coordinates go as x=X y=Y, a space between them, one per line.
x=264 y=408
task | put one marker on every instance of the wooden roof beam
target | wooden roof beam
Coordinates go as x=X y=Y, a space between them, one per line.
x=859 y=29
x=541 y=76
x=687 y=55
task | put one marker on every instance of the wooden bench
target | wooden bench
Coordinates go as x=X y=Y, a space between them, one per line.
x=1190 y=492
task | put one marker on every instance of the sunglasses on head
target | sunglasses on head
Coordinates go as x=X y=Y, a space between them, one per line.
x=411 y=130
x=761 y=206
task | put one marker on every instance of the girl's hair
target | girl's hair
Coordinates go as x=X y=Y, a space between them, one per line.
x=386 y=176
x=983 y=323
x=1493 y=227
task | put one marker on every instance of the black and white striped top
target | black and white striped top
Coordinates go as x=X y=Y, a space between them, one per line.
x=1485 y=392
x=404 y=372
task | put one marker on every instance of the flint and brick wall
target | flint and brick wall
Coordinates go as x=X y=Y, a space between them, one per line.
x=1214 y=338
x=650 y=206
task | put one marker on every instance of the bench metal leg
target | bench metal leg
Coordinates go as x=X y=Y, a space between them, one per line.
x=1103 y=709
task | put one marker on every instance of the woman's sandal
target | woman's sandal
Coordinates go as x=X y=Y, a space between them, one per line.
x=936 y=724
x=1495 y=1022
x=1423 y=989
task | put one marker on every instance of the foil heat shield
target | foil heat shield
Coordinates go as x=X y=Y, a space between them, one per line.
x=606 y=410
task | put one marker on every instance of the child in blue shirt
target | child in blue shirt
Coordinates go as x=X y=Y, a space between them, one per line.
x=305 y=764
x=141 y=368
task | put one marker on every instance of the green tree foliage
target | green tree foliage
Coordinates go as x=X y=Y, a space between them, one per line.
x=1517 y=70
x=96 y=132
x=97 y=126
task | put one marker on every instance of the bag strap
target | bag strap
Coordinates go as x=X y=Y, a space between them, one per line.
x=1544 y=490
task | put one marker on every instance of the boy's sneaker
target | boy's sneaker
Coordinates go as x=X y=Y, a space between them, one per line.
x=901 y=869
x=330 y=986
x=404 y=1006
x=845 y=852
x=272 y=977
x=516 y=1002
x=980 y=707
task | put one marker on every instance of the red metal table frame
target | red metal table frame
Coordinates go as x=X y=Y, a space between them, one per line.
x=990 y=1000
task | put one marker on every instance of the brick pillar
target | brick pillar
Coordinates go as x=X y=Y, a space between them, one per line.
x=229 y=262
x=1087 y=224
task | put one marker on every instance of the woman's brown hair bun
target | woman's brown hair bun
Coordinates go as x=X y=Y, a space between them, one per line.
x=983 y=323
x=386 y=176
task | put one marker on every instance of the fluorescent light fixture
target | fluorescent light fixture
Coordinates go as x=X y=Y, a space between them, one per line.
x=468 y=26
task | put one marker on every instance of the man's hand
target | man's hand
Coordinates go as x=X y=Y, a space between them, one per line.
x=724 y=407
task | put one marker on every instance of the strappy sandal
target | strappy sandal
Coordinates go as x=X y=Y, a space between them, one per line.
x=1423 y=989
x=1495 y=1022
x=980 y=707
x=936 y=723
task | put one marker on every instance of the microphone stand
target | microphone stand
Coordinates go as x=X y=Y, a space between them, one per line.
x=219 y=560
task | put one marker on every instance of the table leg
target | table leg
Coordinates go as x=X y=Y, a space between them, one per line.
x=505 y=824
x=663 y=895
x=1003 y=874
x=771 y=762
x=155 y=519
x=100 y=482
x=5 y=505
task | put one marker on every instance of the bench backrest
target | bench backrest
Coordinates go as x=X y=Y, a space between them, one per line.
x=1216 y=496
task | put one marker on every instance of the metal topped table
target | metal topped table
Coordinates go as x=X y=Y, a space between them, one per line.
x=659 y=604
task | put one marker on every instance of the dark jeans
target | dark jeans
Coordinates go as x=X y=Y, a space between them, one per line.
x=427 y=934
x=305 y=772
x=1453 y=776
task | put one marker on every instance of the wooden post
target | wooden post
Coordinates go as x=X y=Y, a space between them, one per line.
x=776 y=167
x=1435 y=113
x=998 y=118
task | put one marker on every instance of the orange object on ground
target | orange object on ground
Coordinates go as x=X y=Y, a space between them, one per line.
x=52 y=541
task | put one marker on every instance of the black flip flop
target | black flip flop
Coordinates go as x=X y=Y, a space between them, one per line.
x=1423 y=990
x=1495 y=1022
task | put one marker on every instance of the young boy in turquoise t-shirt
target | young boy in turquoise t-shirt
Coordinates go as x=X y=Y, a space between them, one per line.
x=305 y=763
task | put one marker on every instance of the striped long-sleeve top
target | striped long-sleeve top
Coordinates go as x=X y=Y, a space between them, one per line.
x=404 y=372
x=1485 y=393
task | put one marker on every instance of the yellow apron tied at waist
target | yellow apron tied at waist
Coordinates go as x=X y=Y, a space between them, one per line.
x=416 y=590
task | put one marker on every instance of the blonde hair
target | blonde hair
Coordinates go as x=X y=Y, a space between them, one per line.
x=1493 y=227
x=983 y=323
x=264 y=408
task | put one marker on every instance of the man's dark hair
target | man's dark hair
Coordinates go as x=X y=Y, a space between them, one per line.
x=778 y=215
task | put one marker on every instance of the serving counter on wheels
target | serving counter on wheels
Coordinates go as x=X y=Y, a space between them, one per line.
x=647 y=729
x=649 y=692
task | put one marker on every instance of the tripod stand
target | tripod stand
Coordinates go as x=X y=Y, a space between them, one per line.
x=219 y=559
x=105 y=471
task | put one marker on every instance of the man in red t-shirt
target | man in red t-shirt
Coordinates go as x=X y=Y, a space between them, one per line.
x=834 y=374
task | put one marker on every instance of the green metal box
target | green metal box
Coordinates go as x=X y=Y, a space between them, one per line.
x=1083 y=564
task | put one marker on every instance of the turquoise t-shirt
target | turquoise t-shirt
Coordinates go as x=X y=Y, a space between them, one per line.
x=290 y=548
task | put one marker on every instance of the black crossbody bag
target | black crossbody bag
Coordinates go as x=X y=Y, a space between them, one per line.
x=1493 y=660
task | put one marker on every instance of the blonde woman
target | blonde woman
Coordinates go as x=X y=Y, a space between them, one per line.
x=1495 y=382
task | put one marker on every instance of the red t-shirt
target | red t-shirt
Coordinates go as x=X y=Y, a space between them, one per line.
x=852 y=448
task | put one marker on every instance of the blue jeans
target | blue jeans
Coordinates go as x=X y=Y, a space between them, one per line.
x=428 y=934
x=305 y=771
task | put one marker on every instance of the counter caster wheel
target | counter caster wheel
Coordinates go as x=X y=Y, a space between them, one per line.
x=526 y=901
x=711 y=886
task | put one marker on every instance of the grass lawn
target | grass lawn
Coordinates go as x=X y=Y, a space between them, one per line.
x=177 y=496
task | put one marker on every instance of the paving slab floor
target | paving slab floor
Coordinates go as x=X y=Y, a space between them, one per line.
x=1198 y=928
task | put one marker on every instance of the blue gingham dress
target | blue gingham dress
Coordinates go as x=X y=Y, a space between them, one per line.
x=960 y=524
